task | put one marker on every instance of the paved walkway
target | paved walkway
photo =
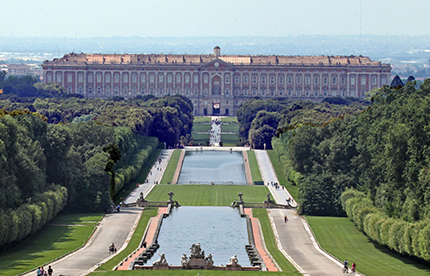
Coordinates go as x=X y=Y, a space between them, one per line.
x=294 y=238
x=116 y=228
x=215 y=132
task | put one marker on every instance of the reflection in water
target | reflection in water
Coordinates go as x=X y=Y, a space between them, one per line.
x=221 y=167
x=220 y=230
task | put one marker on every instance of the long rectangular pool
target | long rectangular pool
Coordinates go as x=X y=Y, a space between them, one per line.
x=219 y=167
x=221 y=232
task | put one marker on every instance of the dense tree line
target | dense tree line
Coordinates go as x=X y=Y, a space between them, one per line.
x=168 y=118
x=260 y=119
x=47 y=167
x=382 y=152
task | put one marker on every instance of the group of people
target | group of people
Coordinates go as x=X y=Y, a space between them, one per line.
x=215 y=135
x=346 y=268
x=112 y=249
x=42 y=272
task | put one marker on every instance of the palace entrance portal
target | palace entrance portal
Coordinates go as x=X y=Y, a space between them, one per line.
x=216 y=109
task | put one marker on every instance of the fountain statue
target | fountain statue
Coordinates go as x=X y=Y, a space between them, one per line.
x=161 y=262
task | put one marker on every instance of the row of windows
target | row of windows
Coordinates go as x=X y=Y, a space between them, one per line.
x=237 y=92
x=187 y=76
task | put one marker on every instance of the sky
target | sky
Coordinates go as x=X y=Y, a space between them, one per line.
x=184 y=18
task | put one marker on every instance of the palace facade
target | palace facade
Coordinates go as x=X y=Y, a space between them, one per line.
x=217 y=84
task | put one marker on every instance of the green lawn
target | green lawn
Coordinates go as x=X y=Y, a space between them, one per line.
x=171 y=167
x=253 y=165
x=200 y=138
x=228 y=119
x=269 y=239
x=141 y=178
x=229 y=140
x=49 y=243
x=201 y=127
x=208 y=195
x=340 y=237
x=292 y=189
x=202 y=119
x=231 y=127
x=134 y=241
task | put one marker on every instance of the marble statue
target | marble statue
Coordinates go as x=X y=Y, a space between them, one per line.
x=196 y=251
x=209 y=261
x=184 y=260
x=162 y=261
x=233 y=260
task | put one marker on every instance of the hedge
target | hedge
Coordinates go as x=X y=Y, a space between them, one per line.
x=144 y=148
x=16 y=224
x=411 y=238
x=278 y=145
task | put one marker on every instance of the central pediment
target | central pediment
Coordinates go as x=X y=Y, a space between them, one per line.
x=218 y=63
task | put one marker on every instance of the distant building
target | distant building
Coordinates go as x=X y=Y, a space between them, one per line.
x=217 y=84
x=18 y=69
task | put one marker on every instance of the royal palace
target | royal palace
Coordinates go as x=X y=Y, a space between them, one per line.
x=217 y=84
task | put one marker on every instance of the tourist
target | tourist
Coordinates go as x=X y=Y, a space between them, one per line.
x=345 y=265
x=50 y=271
x=353 y=268
x=42 y=271
x=38 y=271
x=285 y=219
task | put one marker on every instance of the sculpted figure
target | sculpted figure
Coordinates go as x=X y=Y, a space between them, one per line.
x=184 y=260
x=161 y=261
x=209 y=261
x=233 y=260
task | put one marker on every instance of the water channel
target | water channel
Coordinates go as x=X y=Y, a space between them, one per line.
x=221 y=232
x=219 y=167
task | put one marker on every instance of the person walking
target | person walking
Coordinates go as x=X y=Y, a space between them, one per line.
x=285 y=219
x=50 y=271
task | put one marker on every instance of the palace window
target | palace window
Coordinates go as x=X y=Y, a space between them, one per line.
x=236 y=79
x=227 y=78
x=49 y=77
x=334 y=80
x=363 y=80
x=373 y=80
x=134 y=78
x=160 y=91
x=178 y=78
x=196 y=79
x=352 y=80
x=272 y=79
x=116 y=77
x=298 y=93
x=107 y=78
x=227 y=91
x=169 y=78
x=316 y=80
x=125 y=78
x=151 y=78
x=254 y=92
x=343 y=93
x=69 y=89
x=342 y=80
x=205 y=78
x=290 y=92
x=281 y=92
x=178 y=90
x=263 y=92
x=143 y=90
x=80 y=90
x=272 y=92
x=187 y=78
x=263 y=79
x=69 y=78
x=316 y=93
x=108 y=90
x=307 y=80
x=290 y=80
x=160 y=78
x=299 y=80
x=236 y=92
x=90 y=90
x=281 y=79
x=307 y=93
x=134 y=90
x=99 y=77
x=245 y=92
x=205 y=91
x=352 y=92
x=151 y=90
x=143 y=78
x=325 y=92
x=196 y=91
x=125 y=90
x=169 y=91
x=187 y=90
x=58 y=77
x=325 y=80
x=254 y=79
x=245 y=79
x=99 y=90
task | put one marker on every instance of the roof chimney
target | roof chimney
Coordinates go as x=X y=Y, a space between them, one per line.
x=217 y=51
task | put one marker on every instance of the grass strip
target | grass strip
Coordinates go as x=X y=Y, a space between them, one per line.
x=59 y=237
x=253 y=165
x=232 y=119
x=269 y=239
x=341 y=238
x=292 y=189
x=134 y=241
x=208 y=195
x=202 y=119
x=191 y=272
x=171 y=167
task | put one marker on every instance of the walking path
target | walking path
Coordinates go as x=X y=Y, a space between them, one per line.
x=116 y=228
x=294 y=238
x=215 y=132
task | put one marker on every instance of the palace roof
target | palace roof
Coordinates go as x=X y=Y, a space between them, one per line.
x=173 y=59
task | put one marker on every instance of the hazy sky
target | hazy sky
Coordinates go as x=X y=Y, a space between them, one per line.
x=78 y=18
